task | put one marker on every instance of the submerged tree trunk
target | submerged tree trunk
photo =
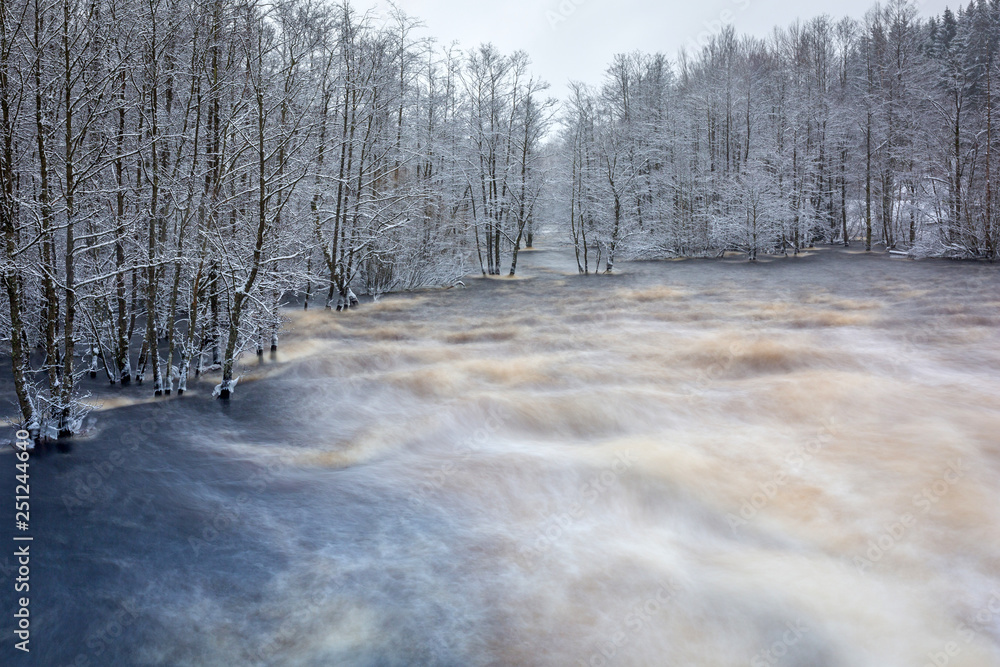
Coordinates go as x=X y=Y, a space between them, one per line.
x=868 y=185
x=843 y=197
x=20 y=354
x=66 y=416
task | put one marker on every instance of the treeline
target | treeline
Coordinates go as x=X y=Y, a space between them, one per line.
x=171 y=170
x=879 y=131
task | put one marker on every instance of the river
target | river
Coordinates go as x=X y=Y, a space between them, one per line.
x=689 y=463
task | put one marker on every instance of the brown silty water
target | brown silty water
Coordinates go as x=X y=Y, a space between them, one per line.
x=692 y=463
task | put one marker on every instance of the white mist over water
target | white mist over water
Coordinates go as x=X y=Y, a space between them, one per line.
x=697 y=463
x=694 y=463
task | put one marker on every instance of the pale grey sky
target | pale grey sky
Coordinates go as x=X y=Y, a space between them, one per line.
x=576 y=39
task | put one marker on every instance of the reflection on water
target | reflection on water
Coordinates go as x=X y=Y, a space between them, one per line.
x=694 y=463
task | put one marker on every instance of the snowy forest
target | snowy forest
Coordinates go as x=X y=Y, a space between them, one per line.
x=878 y=131
x=171 y=171
x=174 y=173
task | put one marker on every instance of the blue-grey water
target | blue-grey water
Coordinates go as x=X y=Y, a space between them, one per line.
x=691 y=463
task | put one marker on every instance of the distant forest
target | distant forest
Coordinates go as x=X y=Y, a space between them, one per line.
x=172 y=171
x=879 y=131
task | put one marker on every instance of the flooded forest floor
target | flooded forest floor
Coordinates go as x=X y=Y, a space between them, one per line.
x=698 y=462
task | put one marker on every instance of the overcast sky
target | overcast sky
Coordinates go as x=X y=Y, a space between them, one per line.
x=576 y=39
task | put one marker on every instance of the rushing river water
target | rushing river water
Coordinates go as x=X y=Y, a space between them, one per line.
x=692 y=463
